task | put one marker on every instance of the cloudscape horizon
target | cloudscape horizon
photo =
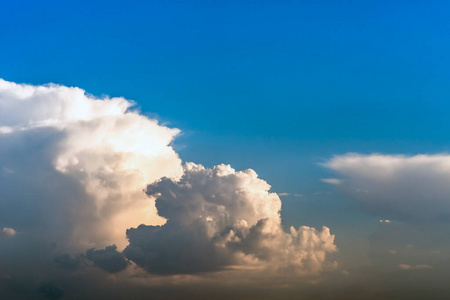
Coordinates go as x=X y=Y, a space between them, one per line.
x=224 y=150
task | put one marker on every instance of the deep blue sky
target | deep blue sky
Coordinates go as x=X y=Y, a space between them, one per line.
x=277 y=86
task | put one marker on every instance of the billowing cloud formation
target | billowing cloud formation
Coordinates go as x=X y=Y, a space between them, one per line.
x=84 y=162
x=218 y=218
x=405 y=188
x=73 y=170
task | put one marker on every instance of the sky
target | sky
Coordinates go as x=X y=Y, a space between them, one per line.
x=271 y=149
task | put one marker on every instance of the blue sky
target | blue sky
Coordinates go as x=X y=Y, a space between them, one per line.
x=276 y=86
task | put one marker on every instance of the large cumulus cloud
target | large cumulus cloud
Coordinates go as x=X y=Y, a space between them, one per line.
x=73 y=174
x=77 y=165
x=218 y=218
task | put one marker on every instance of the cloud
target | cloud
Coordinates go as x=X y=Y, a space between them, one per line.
x=411 y=196
x=84 y=162
x=289 y=194
x=406 y=188
x=66 y=261
x=416 y=267
x=80 y=173
x=6 y=231
x=331 y=180
x=219 y=218
x=108 y=259
x=72 y=172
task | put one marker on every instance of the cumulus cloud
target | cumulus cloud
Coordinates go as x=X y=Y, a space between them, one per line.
x=83 y=160
x=219 y=218
x=405 y=188
x=80 y=173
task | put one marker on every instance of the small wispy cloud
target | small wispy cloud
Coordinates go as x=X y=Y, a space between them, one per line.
x=289 y=194
x=414 y=267
x=331 y=180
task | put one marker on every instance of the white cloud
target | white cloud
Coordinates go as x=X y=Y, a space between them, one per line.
x=96 y=153
x=331 y=180
x=406 y=188
x=283 y=194
x=220 y=218
x=414 y=190
x=5 y=130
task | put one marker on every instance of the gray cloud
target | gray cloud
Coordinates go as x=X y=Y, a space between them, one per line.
x=68 y=262
x=108 y=259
